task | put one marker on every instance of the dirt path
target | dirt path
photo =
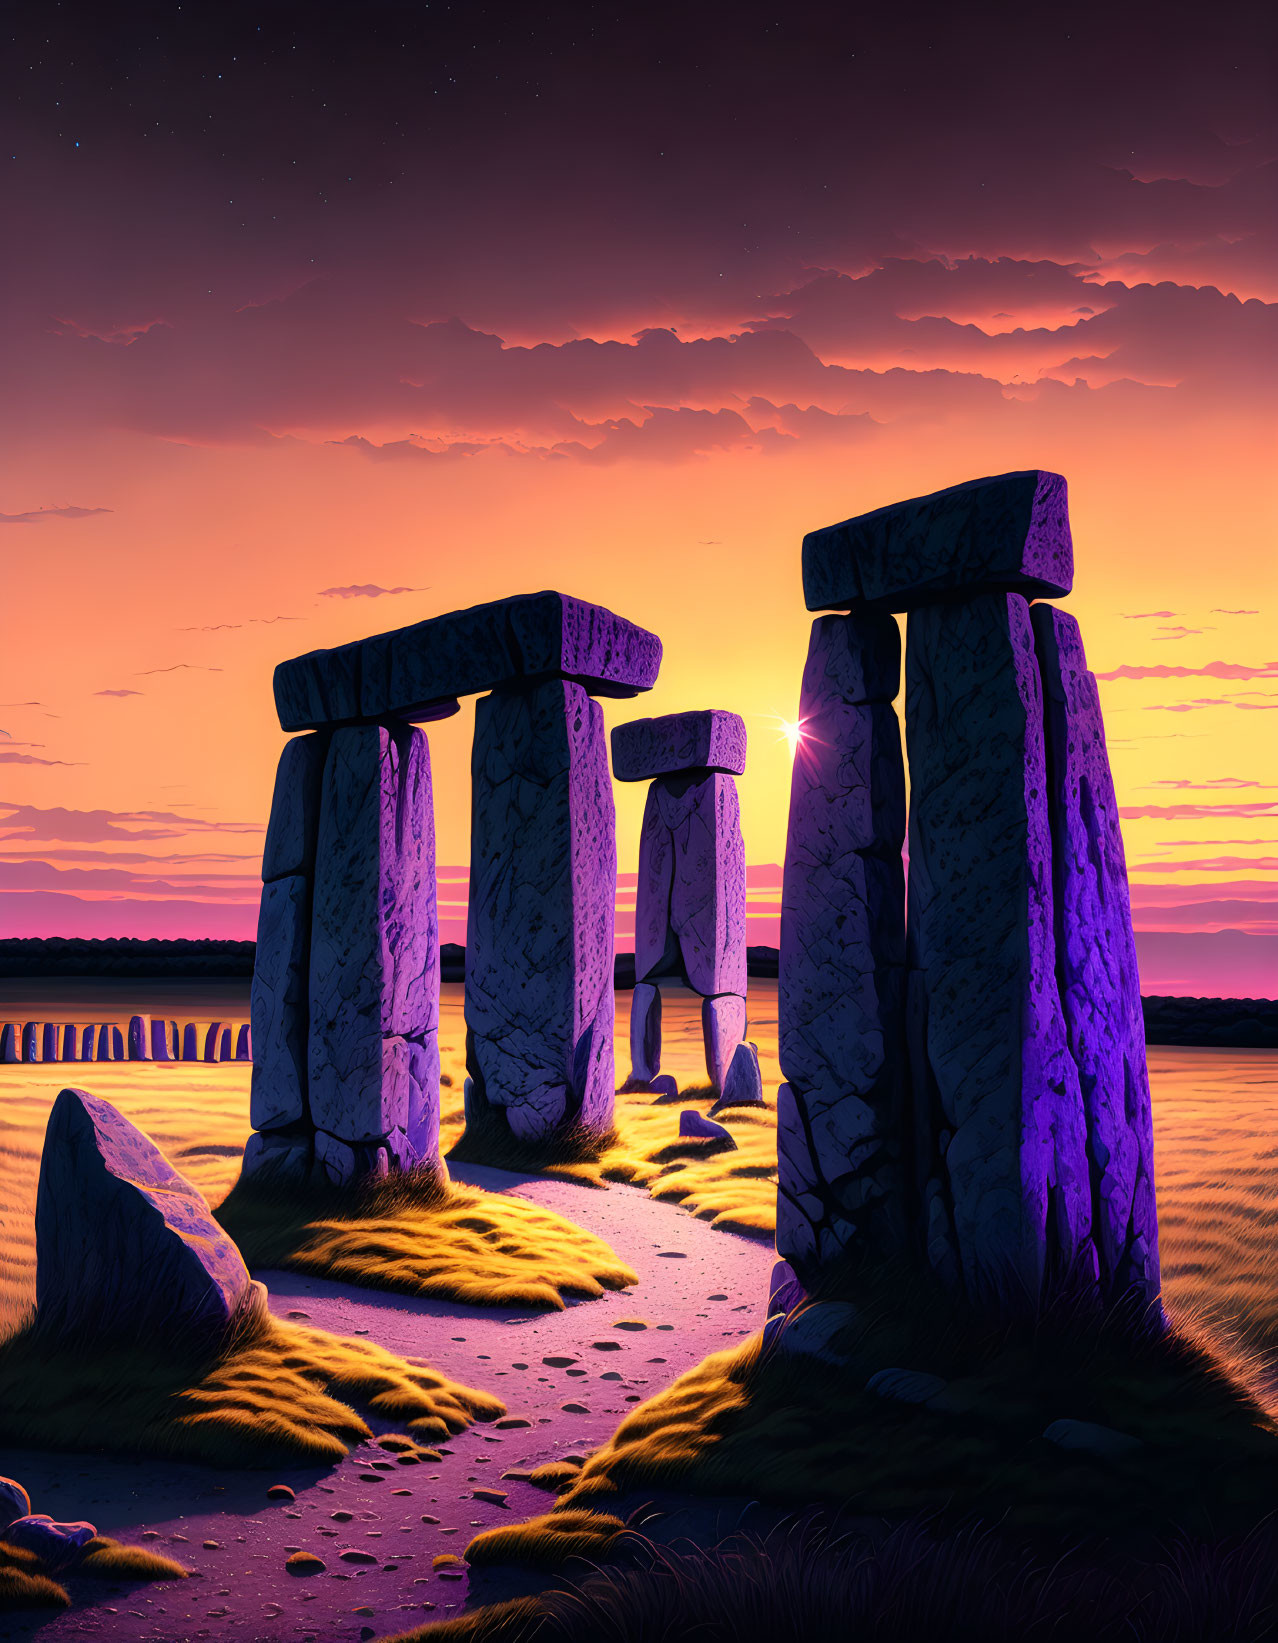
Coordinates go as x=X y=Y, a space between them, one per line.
x=699 y=1290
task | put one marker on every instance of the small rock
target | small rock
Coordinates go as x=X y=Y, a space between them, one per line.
x=905 y=1385
x=664 y=1087
x=558 y=1363
x=693 y=1127
x=280 y=1491
x=364 y=1608
x=353 y=1555
x=508 y=1423
x=606 y=1346
x=304 y=1563
x=611 y=1375
x=743 y=1086
x=574 y=1409
x=516 y=1474
x=446 y=1560
x=426 y=1518
x=57 y=1545
x=341 y=1517
x=631 y=1323
x=495 y=1497
x=212 y=1545
x=15 y=1502
x=1091 y=1438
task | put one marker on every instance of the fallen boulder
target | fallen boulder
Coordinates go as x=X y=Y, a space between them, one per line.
x=58 y=1545
x=693 y=1127
x=127 y=1249
x=15 y=1502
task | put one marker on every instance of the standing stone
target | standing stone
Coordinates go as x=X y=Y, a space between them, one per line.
x=127 y=1250
x=374 y=950
x=70 y=1042
x=87 y=1039
x=50 y=1042
x=244 y=1043
x=190 y=1042
x=841 y=1022
x=31 y=1041
x=164 y=1045
x=539 y=953
x=998 y=1112
x=723 y=1026
x=289 y=847
x=106 y=1043
x=212 y=1041
x=139 y=1038
x=10 y=1045
x=1096 y=967
x=117 y=1043
x=645 y=1031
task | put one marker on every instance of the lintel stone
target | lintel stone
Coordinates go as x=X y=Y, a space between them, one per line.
x=417 y=672
x=1009 y=533
x=706 y=739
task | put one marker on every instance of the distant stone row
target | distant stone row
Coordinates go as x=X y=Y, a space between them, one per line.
x=146 y=1038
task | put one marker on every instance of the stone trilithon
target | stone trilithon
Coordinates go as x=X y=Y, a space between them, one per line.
x=346 y=980
x=965 y=1085
x=690 y=902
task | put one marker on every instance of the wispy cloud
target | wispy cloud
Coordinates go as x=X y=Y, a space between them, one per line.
x=67 y=826
x=119 y=693
x=35 y=515
x=251 y=621
x=365 y=590
x=1217 y=611
x=1186 y=812
x=1146 y=615
x=1211 y=864
x=178 y=667
x=9 y=755
x=1165 y=634
x=1214 y=781
x=1210 y=670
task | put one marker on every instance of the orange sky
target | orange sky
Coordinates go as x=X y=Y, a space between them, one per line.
x=668 y=478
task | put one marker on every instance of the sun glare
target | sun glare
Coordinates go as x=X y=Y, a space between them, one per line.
x=792 y=733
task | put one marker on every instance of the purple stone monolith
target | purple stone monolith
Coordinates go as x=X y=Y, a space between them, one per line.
x=998 y=1112
x=539 y=949
x=289 y=847
x=190 y=1042
x=277 y=1094
x=841 y=1019
x=164 y=1045
x=50 y=1042
x=88 y=1038
x=374 y=949
x=645 y=1031
x=1096 y=967
x=105 y=1049
x=117 y=1043
x=244 y=1043
x=213 y=1041
x=10 y=1044
x=70 y=1042
x=31 y=1045
x=723 y=1026
x=705 y=739
x=127 y=1249
x=139 y=1046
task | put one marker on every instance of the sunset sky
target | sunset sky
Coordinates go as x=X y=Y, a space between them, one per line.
x=319 y=322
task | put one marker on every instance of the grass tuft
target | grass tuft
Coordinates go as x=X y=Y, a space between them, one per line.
x=107 y=1559
x=275 y=1393
x=416 y=1237
x=25 y=1584
x=546 y=1542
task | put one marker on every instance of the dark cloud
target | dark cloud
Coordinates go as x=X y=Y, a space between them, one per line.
x=92 y=826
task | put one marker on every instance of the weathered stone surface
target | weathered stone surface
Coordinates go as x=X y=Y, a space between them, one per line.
x=785 y=1292
x=1096 y=965
x=543 y=872
x=410 y=1101
x=743 y=1085
x=723 y=1025
x=15 y=1502
x=126 y=1248
x=50 y=1042
x=416 y=672
x=691 y=896
x=190 y=1042
x=88 y=1038
x=841 y=1010
x=105 y=1046
x=70 y=1042
x=31 y=1044
x=213 y=1041
x=282 y=1156
x=1009 y=532
x=645 y=1031
x=998 y=1113
x=244 y=1043
x=374 y=955
x=139 y=1038
x=664 y=1087
x=341 y=1163
x=295 y=806
x=10 y=1044
x=707 y=739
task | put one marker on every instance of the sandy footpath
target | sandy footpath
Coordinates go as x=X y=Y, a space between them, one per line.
x=699 y=1290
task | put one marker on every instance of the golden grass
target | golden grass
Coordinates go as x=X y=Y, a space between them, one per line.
x=276 y=1393
x=415 y=1238
x=547 y=1541
x=24 y=1584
